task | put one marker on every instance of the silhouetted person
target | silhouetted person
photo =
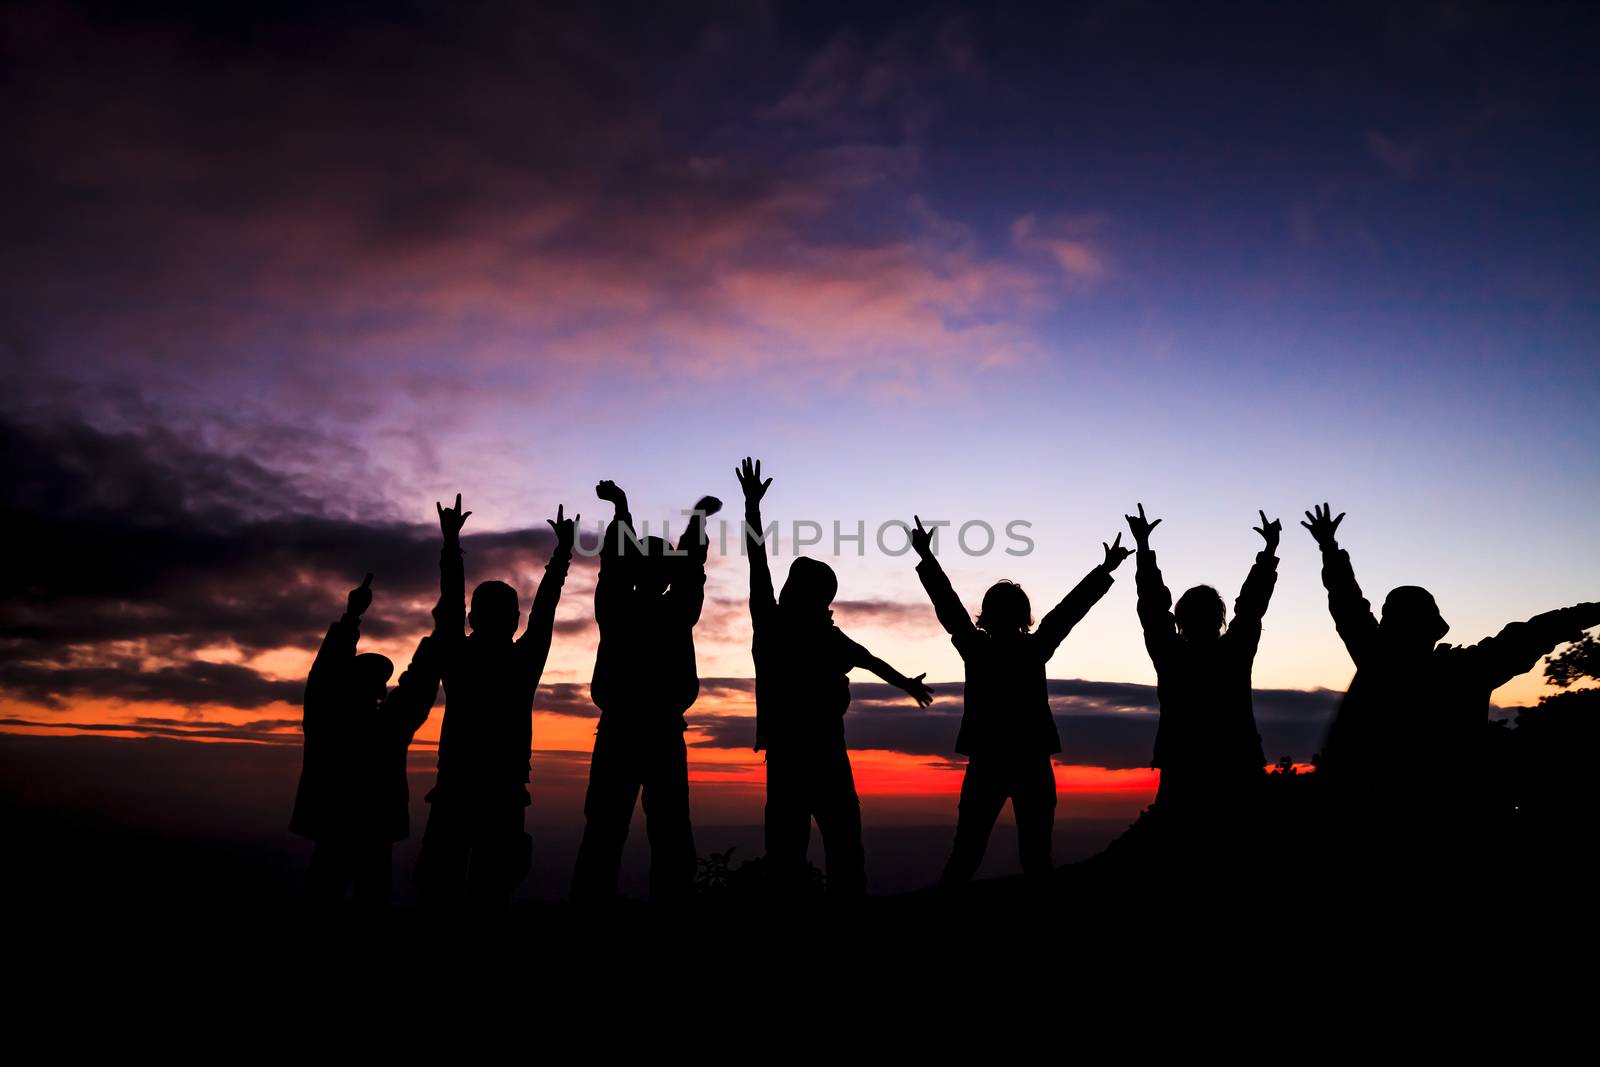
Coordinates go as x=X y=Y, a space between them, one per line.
x=1402 y=761
x=647 y=600
x=1008 y=733
x=475 y=847
x=1207 y=747
x=803 y=664
x=353 y=800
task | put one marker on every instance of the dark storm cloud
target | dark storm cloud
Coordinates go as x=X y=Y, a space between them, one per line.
x=280 y=199
x=145 y=544
x=1102 y=724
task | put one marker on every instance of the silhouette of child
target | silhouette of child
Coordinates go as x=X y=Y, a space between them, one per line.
x=353 y=800
x=1008 y=733
x=803 y=662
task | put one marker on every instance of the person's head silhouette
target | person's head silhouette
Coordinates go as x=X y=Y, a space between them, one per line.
x=809 y=589
x=1200 y=614
x=495 y=611
x=369 y=677
x=1411 y=619
x=653 y=568
x=1006 y=610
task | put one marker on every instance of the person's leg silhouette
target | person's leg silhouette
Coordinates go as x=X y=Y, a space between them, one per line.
x=838 y=810
x=441 y=873
x=1033 y=802
x=329 y=874
x=614 y=783
x=372 y=874
x=666 y=814
x=501 y=856
x=788 y=820
x=983 y=794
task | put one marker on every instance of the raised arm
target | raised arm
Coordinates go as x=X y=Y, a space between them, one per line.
x=1256 y=593
x=1155 y=600
x=1515 y=649
x=534 y=644
x=337 y=650
x=1352 y=615
x=611 y=585
x=763 y=602
x=450 y=614
x=688 y=590
x=408 y=704
x=946 y=605
x=1059 y=620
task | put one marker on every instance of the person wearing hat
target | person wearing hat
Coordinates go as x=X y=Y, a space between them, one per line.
x=803 y=663
x=353 y=800
x=1402 y=761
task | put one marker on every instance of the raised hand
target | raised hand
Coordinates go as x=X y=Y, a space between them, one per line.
x=451 y=519
x=918 y=690
x=921 y=539
x=566 y=529
x=708 y=505
x=360 y=598
x=1269 y=531
x=1115 y=553
x=749 y=475
x=609 y=491
x=1141 y=528
x=1322 y=527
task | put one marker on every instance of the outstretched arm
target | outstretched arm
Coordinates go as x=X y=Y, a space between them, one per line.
x=1515 y=649
x=1256 y=592
x=946 y=605
x=1352 y=615
x=534 y=644
x=1059 y=620
x=915 y=688
x=763 y=603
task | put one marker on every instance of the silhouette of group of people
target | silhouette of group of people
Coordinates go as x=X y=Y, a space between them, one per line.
x=1404 y=735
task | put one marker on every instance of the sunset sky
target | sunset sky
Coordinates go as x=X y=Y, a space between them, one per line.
x=278 y=277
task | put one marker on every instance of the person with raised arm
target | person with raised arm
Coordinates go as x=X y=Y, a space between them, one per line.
x=1207 y=747
x=803 y=663
x=353 y=800
x=647 y=600
x=1406 y=743
x=1008 y=732
x=475 y=848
